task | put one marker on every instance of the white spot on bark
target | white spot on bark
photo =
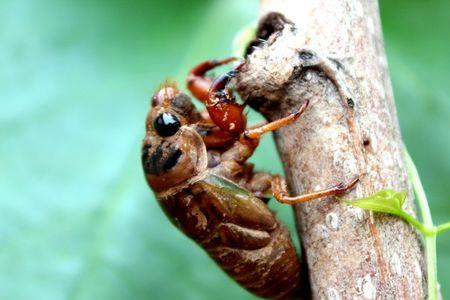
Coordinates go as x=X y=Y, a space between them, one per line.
x=320 y=232
x=338 y=158
x=396 y=265
x=357 y=212
x=380 y=89
x=307 y=76
x=418 y=270
x=359 y=11
x=327 y=120
x=332 y=221
x=374 y=144
x=332 y=294
x=387 y=160
x=367 y=288
x=370 y=25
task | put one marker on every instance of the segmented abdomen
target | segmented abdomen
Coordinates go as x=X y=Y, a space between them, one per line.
x=272 y=271
x=260 y=257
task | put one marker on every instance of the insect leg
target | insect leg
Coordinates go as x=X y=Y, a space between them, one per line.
x=213 y=136
x=249 y=139
x=311 y=59
x=279 y=191
x=255 y=133
x=260 y=184
x=197 y=83
x=222 y=107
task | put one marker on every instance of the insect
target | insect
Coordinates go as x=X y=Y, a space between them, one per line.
x=197 y=166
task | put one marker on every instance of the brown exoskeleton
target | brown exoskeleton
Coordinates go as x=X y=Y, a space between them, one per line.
x=196 y=165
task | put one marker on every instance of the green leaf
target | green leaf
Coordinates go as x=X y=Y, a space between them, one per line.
x=386 y=201
x=390 y=202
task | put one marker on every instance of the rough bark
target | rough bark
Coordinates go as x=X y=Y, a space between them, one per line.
x=351 y=254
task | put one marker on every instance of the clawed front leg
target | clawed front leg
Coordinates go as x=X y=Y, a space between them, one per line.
x=249 y=139
x=198 y=83
x=222 y=107
x=280 y=193
x=311 y=59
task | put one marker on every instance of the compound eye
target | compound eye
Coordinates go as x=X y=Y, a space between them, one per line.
x=166 y=124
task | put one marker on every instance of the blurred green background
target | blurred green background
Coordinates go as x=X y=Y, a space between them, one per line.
x=77 y=220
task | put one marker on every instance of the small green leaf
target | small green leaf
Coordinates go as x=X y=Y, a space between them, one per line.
x=387 y=201
x=443 y=227
x=391 y=202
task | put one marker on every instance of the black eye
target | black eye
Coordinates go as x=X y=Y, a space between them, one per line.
x=166 y=124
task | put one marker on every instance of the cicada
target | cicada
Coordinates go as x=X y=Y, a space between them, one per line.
x=196 y=164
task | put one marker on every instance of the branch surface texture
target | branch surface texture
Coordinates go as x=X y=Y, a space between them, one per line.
x=351 y=253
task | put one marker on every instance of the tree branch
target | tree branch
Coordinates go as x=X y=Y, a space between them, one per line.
x=351 y=254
